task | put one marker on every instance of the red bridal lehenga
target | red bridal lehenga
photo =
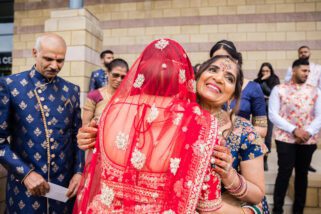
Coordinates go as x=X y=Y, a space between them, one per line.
x=154 y=143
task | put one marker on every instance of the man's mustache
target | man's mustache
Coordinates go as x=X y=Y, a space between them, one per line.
x=53 y=70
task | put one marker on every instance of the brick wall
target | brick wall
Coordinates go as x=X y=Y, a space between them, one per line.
x=264 y=30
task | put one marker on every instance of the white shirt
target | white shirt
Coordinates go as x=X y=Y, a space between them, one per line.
x=281 y=123
x=314 y=77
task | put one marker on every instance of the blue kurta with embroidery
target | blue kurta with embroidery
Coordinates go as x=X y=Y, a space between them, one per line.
x=98 y=79
x=28 y=102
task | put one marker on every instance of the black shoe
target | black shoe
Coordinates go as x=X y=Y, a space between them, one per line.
x=311 y=169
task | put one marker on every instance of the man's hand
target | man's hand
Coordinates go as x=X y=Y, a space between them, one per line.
x=302 y=135
x=86 y=137
x=73 y=186
x=36 y=184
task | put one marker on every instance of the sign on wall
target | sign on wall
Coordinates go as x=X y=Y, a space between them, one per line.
x=5 y=63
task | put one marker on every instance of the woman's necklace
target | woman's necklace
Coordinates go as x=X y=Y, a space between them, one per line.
x=222 y=125
x=219 y=116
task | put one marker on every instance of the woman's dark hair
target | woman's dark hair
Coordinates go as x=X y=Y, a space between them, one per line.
x=196 y=68
x=238 y=83
x=267 y=64
x=117 y=63
x=272 y=81
x=230 y=48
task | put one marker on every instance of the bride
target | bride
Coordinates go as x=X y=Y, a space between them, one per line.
x=154 y=143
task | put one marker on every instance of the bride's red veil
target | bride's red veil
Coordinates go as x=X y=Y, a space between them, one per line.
x=154 y=141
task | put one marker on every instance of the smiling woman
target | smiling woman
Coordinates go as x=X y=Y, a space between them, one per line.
x=238 y=159
x=216 y=83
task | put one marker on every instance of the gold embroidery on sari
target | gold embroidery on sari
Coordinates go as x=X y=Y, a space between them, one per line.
x=140 y=194
x=209 y=205
x=260 y=121
x=200 y=168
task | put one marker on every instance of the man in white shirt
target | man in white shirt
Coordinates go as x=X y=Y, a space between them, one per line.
x=295 y=111
x=314 y=78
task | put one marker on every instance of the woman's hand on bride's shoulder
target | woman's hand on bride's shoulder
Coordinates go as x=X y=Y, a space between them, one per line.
x=86 y=137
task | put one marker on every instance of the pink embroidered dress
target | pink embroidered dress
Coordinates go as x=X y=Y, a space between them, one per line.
x=154 y=146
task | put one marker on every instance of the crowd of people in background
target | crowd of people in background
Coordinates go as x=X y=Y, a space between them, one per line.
x=40 y=113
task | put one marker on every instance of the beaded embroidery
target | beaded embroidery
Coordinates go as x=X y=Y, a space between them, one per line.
x=161 y=44
x=139 y=81
x=174 y=164
x=138 y=159
x=121 y=141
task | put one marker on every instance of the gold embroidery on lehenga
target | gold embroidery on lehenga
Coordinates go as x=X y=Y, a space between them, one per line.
x=139 y=194
x=174 y=164
x=209 y=205
x=178 y=187
x=148 y=188
x=107 y=195
x=138 y=159
x=122 y=141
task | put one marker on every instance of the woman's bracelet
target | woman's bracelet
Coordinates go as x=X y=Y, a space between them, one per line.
x=241 y=190
x=254 y=209
x=243 y=193
x=236 y=189
x=233 y=181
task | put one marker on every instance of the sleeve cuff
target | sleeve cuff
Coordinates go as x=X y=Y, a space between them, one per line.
x=26 y=175
x=79 y=169
x=310 y=131
x=260 y=121
x=291 y=128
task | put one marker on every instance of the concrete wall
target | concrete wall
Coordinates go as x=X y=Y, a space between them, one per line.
x=264 y=30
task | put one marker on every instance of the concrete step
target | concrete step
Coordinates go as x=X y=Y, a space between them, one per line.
x=269 y=182
x=270 y=177
x=287 y=207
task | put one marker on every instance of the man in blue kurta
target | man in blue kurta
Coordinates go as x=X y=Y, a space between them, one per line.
x=40 y=114
x=99 y=78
